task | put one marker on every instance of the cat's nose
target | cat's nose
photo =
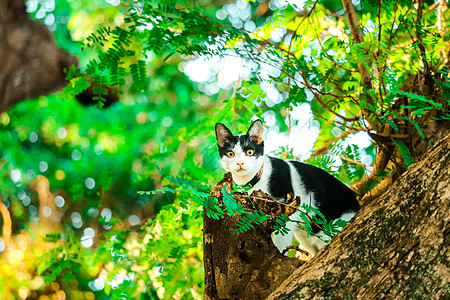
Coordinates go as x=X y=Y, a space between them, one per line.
x=240 y=164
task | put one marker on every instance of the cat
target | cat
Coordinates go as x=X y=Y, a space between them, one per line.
x=243 y=156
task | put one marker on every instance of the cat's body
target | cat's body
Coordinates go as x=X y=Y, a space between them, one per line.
x=243 y=156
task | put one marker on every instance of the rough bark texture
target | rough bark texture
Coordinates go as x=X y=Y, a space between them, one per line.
x=244 y=266
x=31 y=64
x=396 y=248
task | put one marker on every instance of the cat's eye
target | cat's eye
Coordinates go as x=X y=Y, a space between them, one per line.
x=230 y=154
x=250 y=152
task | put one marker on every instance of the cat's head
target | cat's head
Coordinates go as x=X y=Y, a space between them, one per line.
x=242 y=155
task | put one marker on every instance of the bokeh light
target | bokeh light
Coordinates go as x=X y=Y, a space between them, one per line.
x=77 y=222
x=89 y=183
x=43 y=166
x=134 y=220
x=59 y=201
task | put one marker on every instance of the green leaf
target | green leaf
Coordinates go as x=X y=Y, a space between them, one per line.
x=246 y=221
x=231 y=205
x=390 y=122
x=416 y=125
x=281 y=227
x=75 y=87
x=408 y=159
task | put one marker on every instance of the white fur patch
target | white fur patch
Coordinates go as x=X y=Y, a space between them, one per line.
x=242 y=167
x=347 y=216
x=299 y=187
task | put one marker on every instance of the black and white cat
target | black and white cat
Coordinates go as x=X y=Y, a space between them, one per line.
x=243 y=156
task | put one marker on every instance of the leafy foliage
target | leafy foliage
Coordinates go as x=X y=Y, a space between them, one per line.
x=310 y=217
x=231 y=205
x=246 y=221
x=404 y=152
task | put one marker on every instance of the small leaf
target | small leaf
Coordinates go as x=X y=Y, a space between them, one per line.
x=231 y=204
x=409 y=160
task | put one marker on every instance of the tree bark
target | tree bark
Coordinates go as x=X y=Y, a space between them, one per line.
x=246 y=265
x=31 y=64
x=396 y=248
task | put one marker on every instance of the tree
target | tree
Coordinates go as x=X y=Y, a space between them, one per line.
x=397 y=247
x=24 y=75
x=30 y=72
x=377 y=69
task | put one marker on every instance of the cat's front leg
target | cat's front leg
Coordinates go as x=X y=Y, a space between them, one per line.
x=312 y=244
x=283 y=241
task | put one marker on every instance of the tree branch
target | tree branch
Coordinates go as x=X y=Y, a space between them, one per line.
x=352 y=161
x=395 y=248
x=324 y=148
x=355 y=28
x=419 y=37
x=358 y=37
x=323 y=104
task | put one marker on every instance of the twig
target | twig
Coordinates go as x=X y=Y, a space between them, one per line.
x=296 y=248
x=358 y=37
x=288 y=205
x=352 y=161
x=324 y=149
x=268 y=200
x=379 y=22
x=324 y=105
x=419 y=38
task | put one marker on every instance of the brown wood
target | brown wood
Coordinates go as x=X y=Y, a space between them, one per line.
x=246 y=265
x=31 y=64
x=396 y=248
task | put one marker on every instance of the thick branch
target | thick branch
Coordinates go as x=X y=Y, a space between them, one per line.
x=32 y=64
x=349 y=8
x=397 y=247
x=245 y=265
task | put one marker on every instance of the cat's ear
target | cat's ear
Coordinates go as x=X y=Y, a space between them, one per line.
x=256 y=132
x=223 y=134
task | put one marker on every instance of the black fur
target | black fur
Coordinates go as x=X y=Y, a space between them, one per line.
x=244 y=140
x=280 y=179
x=333 y=198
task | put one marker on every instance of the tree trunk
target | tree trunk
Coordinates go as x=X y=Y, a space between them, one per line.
x=397 y=247
x=31 y=64
x=246 y=265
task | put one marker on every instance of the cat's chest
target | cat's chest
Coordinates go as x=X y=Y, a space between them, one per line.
x=265 y=184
